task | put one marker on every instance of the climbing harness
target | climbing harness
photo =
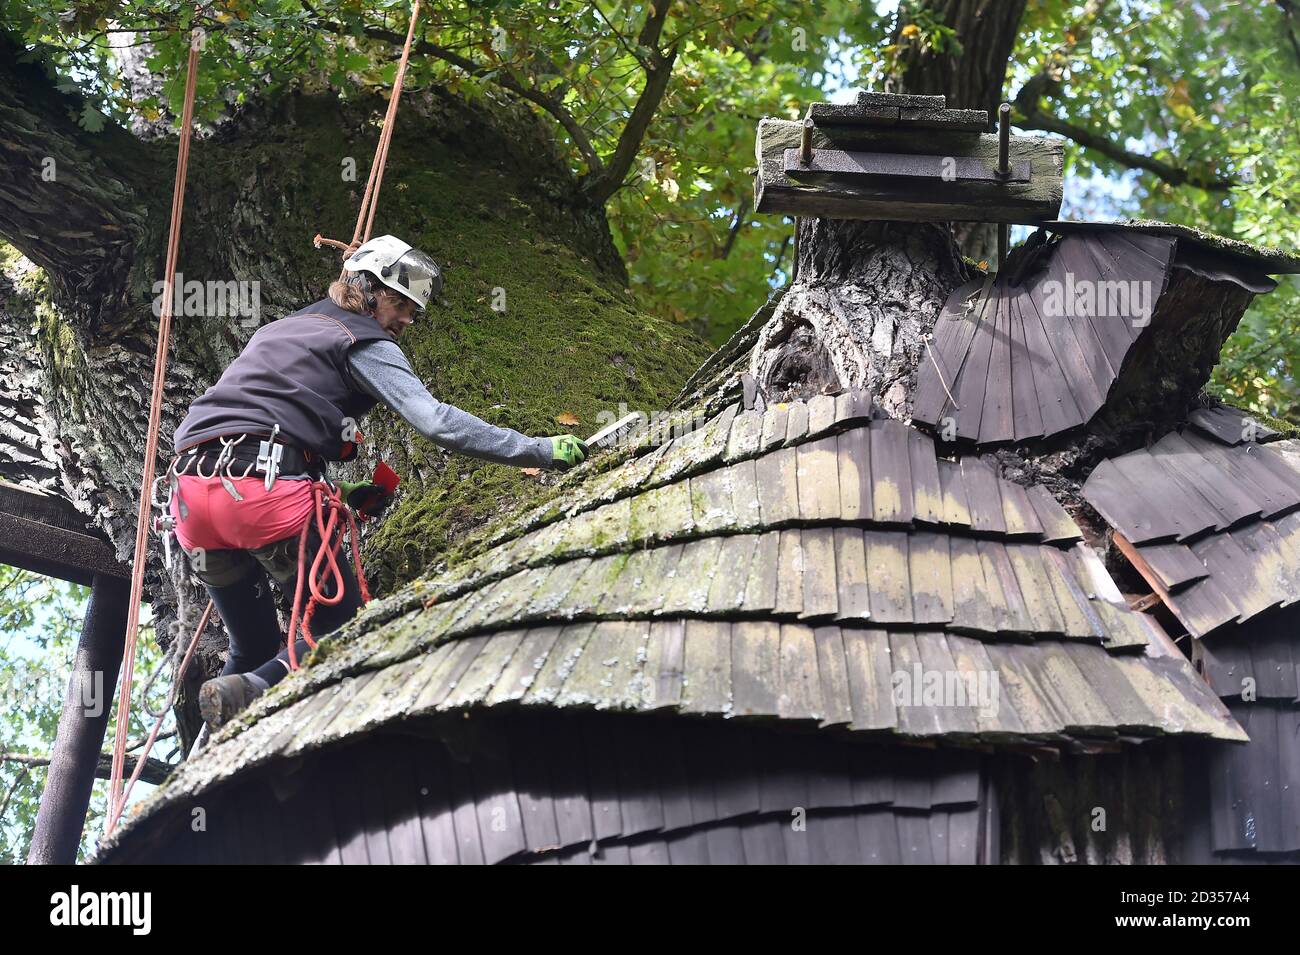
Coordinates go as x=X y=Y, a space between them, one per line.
x=148 y=497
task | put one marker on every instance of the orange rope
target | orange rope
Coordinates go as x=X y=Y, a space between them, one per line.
x=162 y=714
x=331 y=537
x=116 y=800
x=370 y=200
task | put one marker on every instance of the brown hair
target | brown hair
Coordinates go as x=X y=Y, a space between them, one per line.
x=354 y=292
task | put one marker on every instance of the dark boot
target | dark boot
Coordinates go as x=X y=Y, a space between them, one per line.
x=222 y=697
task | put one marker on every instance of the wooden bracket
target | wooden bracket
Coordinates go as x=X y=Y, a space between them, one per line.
x=841 y=162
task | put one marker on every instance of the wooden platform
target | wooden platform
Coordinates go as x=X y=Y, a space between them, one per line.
x=47 y=535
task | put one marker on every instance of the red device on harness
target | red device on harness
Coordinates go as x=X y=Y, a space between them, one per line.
x=385 y=478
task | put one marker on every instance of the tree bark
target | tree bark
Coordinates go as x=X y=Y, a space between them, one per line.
x=976 y=77
x=866 y=295
x=76 y=756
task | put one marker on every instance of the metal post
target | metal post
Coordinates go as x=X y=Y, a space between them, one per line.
x=71 y=773
x=1003 y=172
x=805 y=142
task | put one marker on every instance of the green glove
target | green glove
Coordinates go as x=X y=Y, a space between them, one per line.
x=567 y=451
x=365 y=497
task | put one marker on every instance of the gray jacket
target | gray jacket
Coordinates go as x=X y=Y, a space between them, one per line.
x=383 y=371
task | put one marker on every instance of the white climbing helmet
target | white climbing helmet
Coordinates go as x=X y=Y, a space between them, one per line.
x=397 y=265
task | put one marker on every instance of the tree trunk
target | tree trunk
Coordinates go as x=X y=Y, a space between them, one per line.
x=972 y=78
x=536 y=319
x=866 y=295
x=75 y=758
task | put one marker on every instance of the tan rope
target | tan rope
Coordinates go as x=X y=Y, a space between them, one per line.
x=370 y=199
x=116 y=800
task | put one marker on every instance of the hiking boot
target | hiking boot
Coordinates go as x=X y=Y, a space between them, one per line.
x=222 y=697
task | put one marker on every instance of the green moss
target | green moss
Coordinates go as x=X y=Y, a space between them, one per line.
x=564 y=338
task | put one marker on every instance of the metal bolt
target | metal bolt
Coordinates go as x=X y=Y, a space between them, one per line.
x=1004 y=141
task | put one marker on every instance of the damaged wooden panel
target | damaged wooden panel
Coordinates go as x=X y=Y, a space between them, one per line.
x=1219 y=537
x=1230 y=426
x=1187 y=485
x=884 y=130
x=1031 y=358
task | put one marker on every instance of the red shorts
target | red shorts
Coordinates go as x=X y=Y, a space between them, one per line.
x=216 y=521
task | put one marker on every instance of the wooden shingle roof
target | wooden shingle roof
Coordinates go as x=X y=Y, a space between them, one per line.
x=1214 y=527
x=782 y=565
x=1023 y=357
x=583 y=788
x=1262 y=259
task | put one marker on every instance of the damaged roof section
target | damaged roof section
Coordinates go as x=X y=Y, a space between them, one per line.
x=1017 y=360
x=1126 y=316
x=1211 y=520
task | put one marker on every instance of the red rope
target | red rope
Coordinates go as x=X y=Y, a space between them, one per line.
x=330 y=532
x=370 y=200
x=116 y=799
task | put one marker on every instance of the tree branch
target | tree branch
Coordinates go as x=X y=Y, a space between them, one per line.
x=501 y=78
x=658 y=73
x=737 y=223
x=155 y=770
x=1173 y=174
x=74 y=202
x=1047 y=82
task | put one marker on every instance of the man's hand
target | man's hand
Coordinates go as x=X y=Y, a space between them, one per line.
x=567 y=451
x=365 y=497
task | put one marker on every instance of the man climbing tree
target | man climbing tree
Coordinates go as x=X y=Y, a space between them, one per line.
x=290 y=403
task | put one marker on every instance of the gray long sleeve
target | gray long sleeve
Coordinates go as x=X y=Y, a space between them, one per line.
x=382 y=370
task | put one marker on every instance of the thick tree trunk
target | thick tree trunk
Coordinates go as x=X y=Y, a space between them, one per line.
x=866 y=296
x=536 y=320
x=975 y=77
